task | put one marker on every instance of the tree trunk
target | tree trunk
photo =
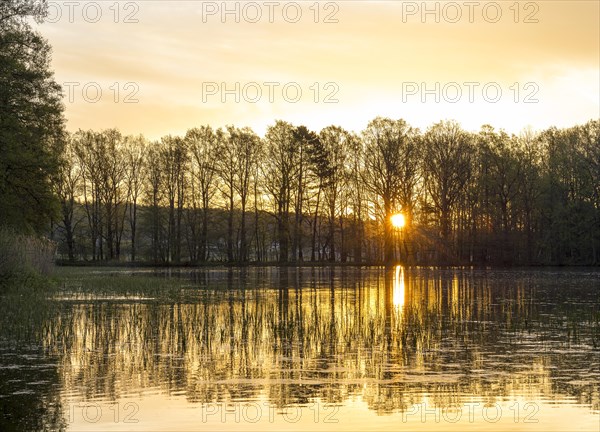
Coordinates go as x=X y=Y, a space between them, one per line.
x=243 y=253
x=230 y=229
x=388 y=240
x=314 y=230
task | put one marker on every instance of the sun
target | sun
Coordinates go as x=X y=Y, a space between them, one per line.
x=398 y=220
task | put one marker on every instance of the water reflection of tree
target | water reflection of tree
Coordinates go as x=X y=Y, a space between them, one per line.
x=29 y=378
x=294 y=335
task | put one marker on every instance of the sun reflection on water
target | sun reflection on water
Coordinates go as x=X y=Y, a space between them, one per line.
x=399 y=288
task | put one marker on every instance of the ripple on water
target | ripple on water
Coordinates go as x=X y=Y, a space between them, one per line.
x=23 y=392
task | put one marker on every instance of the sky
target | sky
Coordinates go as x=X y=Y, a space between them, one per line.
x=159 y=67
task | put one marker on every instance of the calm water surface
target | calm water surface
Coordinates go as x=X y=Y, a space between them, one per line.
x=312 y=348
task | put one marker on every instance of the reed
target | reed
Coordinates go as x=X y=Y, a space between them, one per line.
x=24 y=258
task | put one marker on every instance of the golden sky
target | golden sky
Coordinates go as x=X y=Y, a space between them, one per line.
x=379 y=58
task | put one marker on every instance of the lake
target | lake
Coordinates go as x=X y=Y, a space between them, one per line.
x=304 y=348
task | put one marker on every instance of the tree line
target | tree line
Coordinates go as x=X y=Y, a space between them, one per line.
x=297 y=195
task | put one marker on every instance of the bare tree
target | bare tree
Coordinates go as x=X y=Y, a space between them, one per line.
x=135 y=172
x=319 y=172
x=280 y=172
x=530 y=155
x=114 y=192
x=447 y=152
x=203 y=143
x=304 y=140
x=590 y=138
x=356 y=195
x=84 y=147
x=226 y=167
x=503 y=177
x=174 y=162
x=154 y=197
x=67 y=189
x=247 y=147
x=335 y=142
